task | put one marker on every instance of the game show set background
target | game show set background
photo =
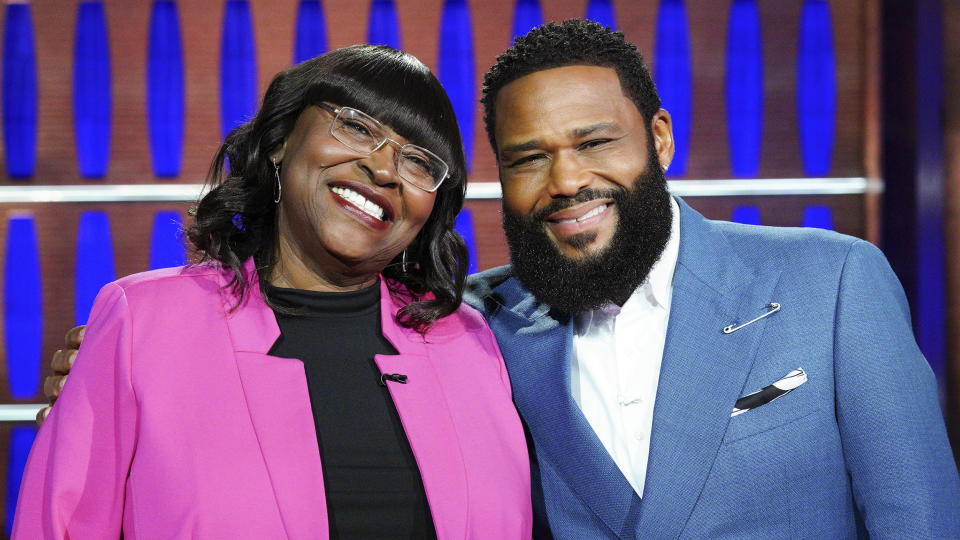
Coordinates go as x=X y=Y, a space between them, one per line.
x=837 y=114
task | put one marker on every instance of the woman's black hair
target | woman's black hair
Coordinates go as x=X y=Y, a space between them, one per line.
x=237 y=219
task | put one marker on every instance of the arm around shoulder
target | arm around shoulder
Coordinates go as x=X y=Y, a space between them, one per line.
x=895 y=444
x=74 y=481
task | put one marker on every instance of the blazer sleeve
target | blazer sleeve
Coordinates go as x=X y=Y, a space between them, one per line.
x=74 y=482
x=895 y=444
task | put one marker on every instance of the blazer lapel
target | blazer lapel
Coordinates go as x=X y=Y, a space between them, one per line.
x=430 y=430
x=537 y=347
x=703 y=370
x=279 y=403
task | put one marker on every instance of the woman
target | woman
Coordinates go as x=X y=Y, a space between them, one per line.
x=316 y=375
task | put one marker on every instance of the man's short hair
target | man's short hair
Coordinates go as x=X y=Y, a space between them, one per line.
x=570 y=43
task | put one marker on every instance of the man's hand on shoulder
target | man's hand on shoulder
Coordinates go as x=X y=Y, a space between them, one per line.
x=61 y=363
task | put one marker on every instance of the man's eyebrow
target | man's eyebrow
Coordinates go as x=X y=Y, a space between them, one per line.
x=520 y=147
x=579 y=133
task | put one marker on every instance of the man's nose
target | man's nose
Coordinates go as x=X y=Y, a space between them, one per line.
x=568 y=176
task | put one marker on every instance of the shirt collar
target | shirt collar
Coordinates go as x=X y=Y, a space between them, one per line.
x=659 y=282
x=656 y=290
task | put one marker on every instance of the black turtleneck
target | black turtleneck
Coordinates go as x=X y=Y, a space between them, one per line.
x=373 y=486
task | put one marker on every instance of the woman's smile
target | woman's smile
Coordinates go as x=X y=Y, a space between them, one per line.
x=369 y=207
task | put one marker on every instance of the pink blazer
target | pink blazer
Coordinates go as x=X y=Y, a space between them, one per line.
x=176 y=423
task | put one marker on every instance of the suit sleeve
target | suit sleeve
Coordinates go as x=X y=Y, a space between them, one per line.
x=895 y=444
x=74 y=482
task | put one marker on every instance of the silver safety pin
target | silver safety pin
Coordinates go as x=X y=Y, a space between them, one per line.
x=774 y=307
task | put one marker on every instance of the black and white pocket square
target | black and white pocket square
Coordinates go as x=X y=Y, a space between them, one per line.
x=769 y=393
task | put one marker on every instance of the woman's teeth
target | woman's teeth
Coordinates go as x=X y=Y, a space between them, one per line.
x=588 y=215
x=359 y=201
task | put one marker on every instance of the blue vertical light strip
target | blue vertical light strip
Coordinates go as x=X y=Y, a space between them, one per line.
x=744 y=87
x=456 y=69
x=238 y=67
x=311 y=37
x=91 y=90
x=816 y=88
x=527 y=15
x=19 y=92
x=166 y=241
x=94 y=267
x=818 y=216
x=22 y=307
x=930 y=309
x=21 y=439
x=674 y=76
x=383 y=27
x=165 y=90
x=602 y=11
x=464 y=226
x=746 y=214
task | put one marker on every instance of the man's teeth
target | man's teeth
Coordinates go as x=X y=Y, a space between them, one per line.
x=359 y=201
x=588 y=215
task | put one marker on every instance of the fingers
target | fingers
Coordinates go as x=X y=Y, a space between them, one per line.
x=52 y=386
x=61 y=363
x=74 y=337
x=62 y=360
x=42 y=415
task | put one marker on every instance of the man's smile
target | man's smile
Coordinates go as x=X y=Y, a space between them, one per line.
x=579 y=218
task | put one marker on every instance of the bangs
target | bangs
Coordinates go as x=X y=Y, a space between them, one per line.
x=400 y=92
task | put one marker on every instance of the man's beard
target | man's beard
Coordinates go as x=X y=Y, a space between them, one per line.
x=570 y=285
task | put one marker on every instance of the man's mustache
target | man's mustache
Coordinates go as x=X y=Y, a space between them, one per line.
x=582 y=196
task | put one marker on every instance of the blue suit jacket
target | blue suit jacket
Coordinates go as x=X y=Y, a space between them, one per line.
x=860 y=447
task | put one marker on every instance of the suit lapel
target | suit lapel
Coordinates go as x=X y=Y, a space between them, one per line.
x=279 y=403
x=430 y=430
x=703 y=370
x=536 y=348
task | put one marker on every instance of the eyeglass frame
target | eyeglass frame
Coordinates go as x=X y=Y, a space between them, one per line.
x=336 y=110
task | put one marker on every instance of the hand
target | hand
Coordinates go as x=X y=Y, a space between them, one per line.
x=61 y=364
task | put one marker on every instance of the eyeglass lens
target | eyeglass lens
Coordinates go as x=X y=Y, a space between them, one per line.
x=362 y=133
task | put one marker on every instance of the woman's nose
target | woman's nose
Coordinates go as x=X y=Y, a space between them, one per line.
x=384 y=163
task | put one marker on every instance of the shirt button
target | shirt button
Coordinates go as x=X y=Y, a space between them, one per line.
x=639 y=436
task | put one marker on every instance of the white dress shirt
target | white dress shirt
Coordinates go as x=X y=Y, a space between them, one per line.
x=616 y=363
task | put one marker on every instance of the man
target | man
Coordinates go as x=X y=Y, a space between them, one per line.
x=636 y=332
x=633 y=327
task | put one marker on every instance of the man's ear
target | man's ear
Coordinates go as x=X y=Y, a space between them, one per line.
x=662 y=128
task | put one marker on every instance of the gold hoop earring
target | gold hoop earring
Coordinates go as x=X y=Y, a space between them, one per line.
x=279 y=191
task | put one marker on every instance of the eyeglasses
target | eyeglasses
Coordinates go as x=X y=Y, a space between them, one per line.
x=362 y=133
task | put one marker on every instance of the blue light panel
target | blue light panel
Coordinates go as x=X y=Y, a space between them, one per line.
x=383 y=27
x=91 y=90
x=19 y=92
x=526 y=16
x=456 y=68
x=744 y=88
x=238 y=67
x=311 y=31
x=165 y=90
x=166 y=242
x=22 y=307
x=749 y=215
x=464 y=226
x=673 y=76
x=21 y=439
x=94 y=261
x=816 y=88
x=818 y=216
x=601 y=11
